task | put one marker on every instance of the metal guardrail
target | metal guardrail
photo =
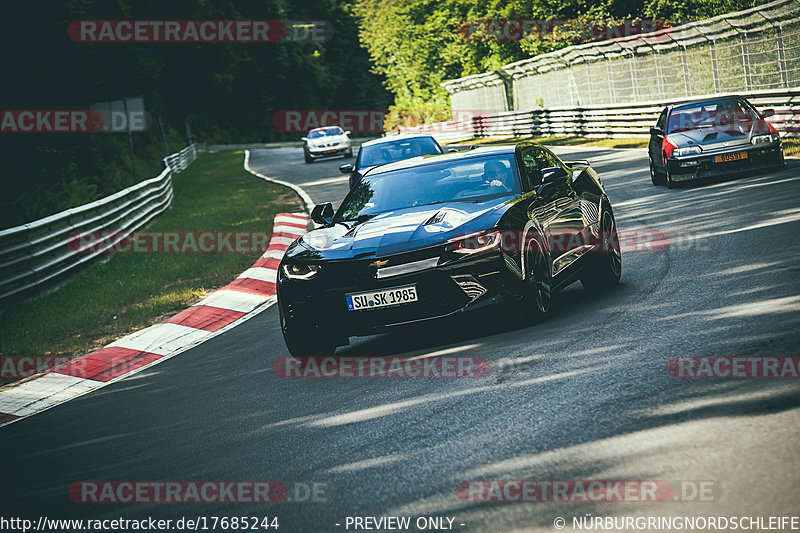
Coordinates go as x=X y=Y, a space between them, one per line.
x=36 y=255
x=610 y=120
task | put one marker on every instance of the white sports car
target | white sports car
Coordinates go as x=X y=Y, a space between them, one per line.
x=329 y=141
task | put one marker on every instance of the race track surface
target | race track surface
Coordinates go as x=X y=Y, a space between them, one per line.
x=584 y=395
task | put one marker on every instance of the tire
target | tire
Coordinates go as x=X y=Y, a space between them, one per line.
x=603 y=267
x=538 y=296
x=307 y=157
x=668 y=177
x=304 y=343
x=654 y=176
x=348 y=154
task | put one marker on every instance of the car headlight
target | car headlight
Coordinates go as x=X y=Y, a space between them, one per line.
x=764 y=139
x=686 y=150
x=475 y=243
x=301 y=271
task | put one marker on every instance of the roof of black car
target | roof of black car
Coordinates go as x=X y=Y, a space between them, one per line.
x=447 y=156
x=391 y=138
x=706 y=101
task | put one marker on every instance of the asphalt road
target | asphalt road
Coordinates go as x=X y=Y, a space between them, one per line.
x=584 y=395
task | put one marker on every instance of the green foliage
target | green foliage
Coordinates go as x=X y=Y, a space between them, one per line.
x=225 y=92
x=418 y=44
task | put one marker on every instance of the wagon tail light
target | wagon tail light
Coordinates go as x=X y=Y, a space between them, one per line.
x=476 y=243
x=667 y=146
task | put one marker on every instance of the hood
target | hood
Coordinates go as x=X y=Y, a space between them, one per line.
x=404 y=230
x=738 y=133
x=328 y=139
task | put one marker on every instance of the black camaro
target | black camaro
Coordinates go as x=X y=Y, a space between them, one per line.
x=713 y=137
x=436 y=235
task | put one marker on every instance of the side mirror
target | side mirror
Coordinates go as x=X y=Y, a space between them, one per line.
x=347 y=168
x=656 y=131
x=549 y=175
x=304 y=139
x=322 y=213
x=347 y=132
x=768 y=113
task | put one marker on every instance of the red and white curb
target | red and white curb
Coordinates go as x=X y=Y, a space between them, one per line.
x=246 y=296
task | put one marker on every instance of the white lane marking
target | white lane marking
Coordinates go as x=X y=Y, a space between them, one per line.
x=242 y=302
x=326 y=181
x=289 y=230
x=281 y=240
x=37 y=394
x=280 y=220
x=162 y=338
x=273 y=254
x=260 y=273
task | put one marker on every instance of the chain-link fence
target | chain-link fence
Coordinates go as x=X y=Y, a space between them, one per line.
x=758 y=48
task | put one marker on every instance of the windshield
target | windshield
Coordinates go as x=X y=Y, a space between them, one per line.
x=390 y=152
x=728 y=113
x=466 y=180
x=325 y=132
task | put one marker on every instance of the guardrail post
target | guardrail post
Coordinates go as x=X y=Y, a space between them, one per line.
x=611 y=90
x=634 y=87
x=782 y=66
x=745 y=61
x=687 y=83
x=589 y=83
x=714 y=67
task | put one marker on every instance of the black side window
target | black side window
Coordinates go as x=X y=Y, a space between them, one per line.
x=552 y=160
x=662 y=120
x=534 y=160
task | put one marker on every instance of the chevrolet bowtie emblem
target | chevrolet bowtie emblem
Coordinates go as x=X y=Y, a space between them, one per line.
x=378 y=264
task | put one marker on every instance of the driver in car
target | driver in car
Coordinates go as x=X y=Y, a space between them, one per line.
x=496 y=174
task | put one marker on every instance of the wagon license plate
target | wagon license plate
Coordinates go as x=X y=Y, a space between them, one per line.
x=735 y=156
x=383 y=298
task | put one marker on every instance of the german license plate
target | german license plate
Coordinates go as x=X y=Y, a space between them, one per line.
x=384 y=298
x=735 y=156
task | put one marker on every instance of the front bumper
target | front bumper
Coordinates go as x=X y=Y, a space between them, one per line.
x=691 y=167
x=317 y=153
x=463 y=285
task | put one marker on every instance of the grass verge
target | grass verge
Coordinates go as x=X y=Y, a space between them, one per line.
x=130 y=291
